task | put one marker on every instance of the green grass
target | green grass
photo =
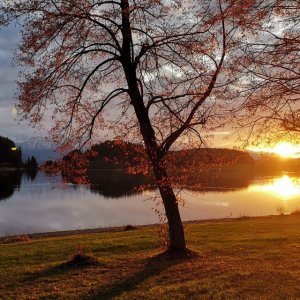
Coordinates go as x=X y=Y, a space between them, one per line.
x=250 y=258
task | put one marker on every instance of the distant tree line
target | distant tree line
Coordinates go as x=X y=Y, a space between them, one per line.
x=11 y=156
x=120 y=155
x=80 y=167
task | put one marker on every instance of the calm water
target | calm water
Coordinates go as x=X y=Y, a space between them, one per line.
x=37 y=203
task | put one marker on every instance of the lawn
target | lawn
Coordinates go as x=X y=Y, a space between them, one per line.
x=248 y=258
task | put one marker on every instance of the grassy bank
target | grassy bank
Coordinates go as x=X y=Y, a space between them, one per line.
x=251 y=258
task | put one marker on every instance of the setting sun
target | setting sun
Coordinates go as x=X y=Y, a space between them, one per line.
x=283 y=149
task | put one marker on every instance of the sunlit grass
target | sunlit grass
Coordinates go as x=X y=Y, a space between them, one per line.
x=251 y=258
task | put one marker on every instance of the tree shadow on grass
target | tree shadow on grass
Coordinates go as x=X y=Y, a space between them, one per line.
x=77 y=262
x=153 y=267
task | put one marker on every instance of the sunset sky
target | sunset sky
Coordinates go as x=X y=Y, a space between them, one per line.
x=18 y=131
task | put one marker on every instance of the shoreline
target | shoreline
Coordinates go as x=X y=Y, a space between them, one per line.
x=128 y=227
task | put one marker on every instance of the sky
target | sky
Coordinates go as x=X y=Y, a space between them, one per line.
x=9 y=126
x=18 y=130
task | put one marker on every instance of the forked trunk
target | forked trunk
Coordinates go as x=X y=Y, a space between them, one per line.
x=176 y=233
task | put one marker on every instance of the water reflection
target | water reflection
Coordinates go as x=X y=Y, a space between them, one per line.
x=43 y=204
x=220 y=181
x=285 y=187
x=9 y=183
x=31 y=174
x=118 y=184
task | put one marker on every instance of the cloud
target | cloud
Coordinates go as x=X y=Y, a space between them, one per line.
x=9 y=39
x=219 y=133
x=11 y=128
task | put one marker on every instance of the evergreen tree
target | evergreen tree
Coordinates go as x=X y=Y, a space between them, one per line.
x=10 y=155
x=33 y=163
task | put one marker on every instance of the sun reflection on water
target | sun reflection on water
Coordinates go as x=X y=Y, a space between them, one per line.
x=284 y=187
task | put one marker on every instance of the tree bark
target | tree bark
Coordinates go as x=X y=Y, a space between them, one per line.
x=176 y=231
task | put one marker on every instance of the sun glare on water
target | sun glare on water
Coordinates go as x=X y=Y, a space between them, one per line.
x=284 y=187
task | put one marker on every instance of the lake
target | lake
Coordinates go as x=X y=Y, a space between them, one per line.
x=32 y=203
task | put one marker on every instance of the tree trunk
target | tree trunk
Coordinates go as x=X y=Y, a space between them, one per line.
x=176 y=231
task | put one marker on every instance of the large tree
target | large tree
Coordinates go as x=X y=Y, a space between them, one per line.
x=166 y=68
